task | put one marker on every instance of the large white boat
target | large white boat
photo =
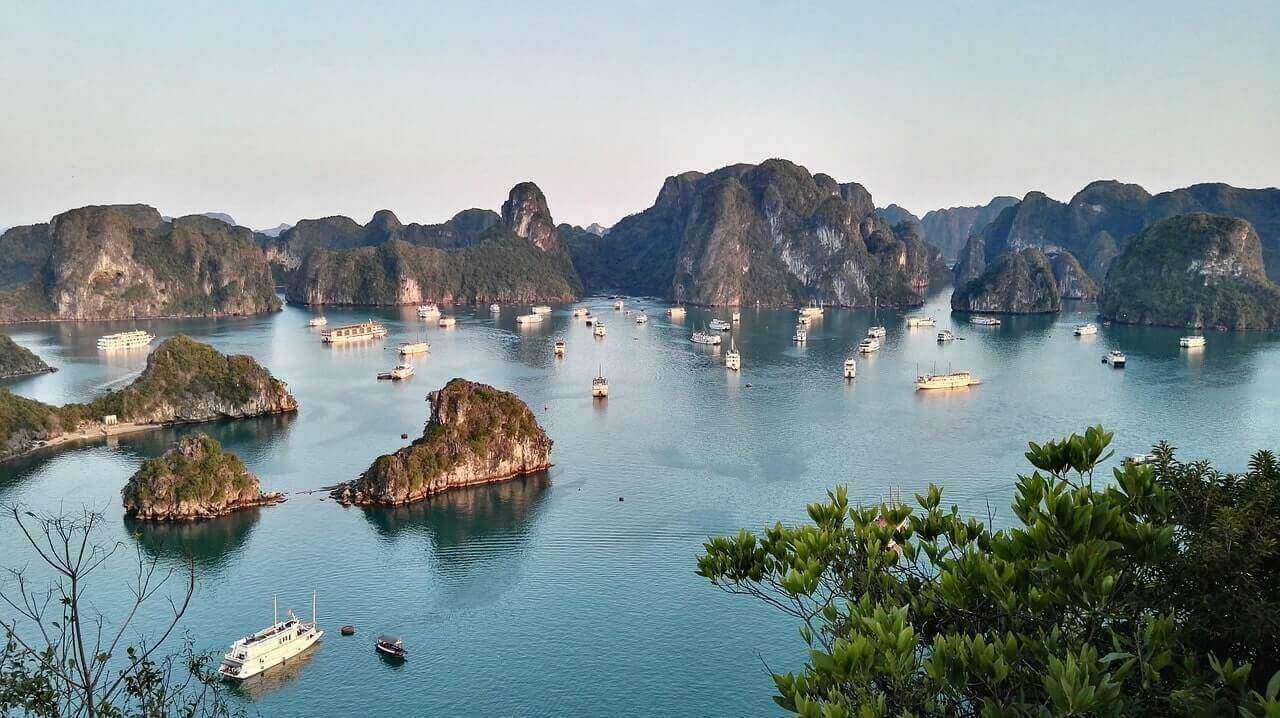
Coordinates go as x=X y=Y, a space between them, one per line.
x=598 y=330
x=705 y=338
x=1191 y=342
x=126 y=340
x=1083 y=330
x=446 y=322
x=850 y=368
x=950 y=380
x=675 y=312
x=529 y=319
x=541 y=309
x=733 y=360
x=877 y=332
x=945 y=336
x=984 y=321
x=642 y=318
x=913 y=322
x=801 y=335
x=579 y=312
x=720 y=325
x=428 y=311
x=495 y=307
x=317 y=322
x=811 y=311
x=618 y=305
x=397 y=373
x=599 y=386
x=408 y=348
x=270 y=647
x=363 y=331
x=1115 y=358
x=869 y=344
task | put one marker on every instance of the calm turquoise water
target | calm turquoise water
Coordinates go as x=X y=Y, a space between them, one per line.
x=548 y=596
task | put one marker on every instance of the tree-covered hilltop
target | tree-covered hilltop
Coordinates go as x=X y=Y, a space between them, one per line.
x=1016 y=283
x=125 y=261
x=27 y=423
x=770 y=233
x=194 y=479
x=476 y=434
x=17 y=360
x=1153 y=593
x=1197 y=271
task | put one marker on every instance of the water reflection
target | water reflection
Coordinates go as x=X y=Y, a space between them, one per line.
x=275 y=678
x=469 y=515
x=211 y=544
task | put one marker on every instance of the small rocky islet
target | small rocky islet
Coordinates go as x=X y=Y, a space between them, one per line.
x=195 y=479
x=18 y=361
x=476 y=435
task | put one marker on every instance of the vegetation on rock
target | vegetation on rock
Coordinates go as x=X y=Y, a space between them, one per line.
x=1155 y=593
x=195 y=479
x=17 y=360
x=1016 y=283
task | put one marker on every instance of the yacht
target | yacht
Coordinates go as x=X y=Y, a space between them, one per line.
x=542 y=309
x=705 y=338
x=599 y=329
x=446 y=322
x=1115 y=358
x=676 y=312
x=802 y=334
x=811 y=311
x=737 y=317
x=984 y=321
x=398 y=373
x=869 y=344
x=271 y=646
x=945 y=336
x=126 y=340
x=317 y=322
x=428 y=311
x=876 y=332
x=391 y=646
x=950 y=380
x=558 y=348
x=642 y=318
x=720 y=325
x=363 y=331
x=1191 y=342
x=529 y=319
x=850 y=368
x=733 y=360
x=1082 y=330
x=495 y=307
x=914 y=322
x=408 y=348
x=599 y=386
x=618 y=305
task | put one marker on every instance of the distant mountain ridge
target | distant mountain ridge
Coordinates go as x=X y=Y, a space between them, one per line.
x=948 y=229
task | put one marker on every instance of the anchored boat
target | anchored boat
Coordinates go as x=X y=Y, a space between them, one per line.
x=410 y=348
x=1115 y=358
x=914 y=322
x=397 y=373
x=428 y=311
x=317 y=322
x=733 y=360
x=558 y=348
x=984 y=321
x=541 y=309
x=869 y=344
x=363 y=331
x=945 y=336
x=598 y=330
x=1191 y=342
x=391 y=646
x=446 y=322
x=705 y=338
x=877 y=332
x=126 y=340
x=850 y=368
x=950 y=380
x=720 y=325
x=1084 y=330
x=801 y=335
x=599 y=386
x=676 y=312
x=271 y=646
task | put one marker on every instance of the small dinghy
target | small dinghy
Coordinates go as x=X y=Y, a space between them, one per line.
x=391 y=646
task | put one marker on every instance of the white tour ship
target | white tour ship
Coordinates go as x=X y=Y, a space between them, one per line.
x=429 y=311
x=354 y=333
x=272 y=646
x=126 y=340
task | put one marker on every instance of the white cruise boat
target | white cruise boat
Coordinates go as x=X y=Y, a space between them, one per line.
x=945 y=336
x=1191 y=342
x=579 y=312
x=850 y=368
x=558 y=348
x=428 y=311
x=984 y=321
x=541 y=309
x=1115 y=358
x=732 y=359
x=676 y=312
x=599 y=386
x=317 y=322
x=446 y=322
x=495 y=307
x=1084 y=330
x=720 y=325
x=950 y=380
x=811 y=311
x=271 y=646
x=397 y=373
x=737 y=317
x=877 y=332
x=409 y=348
x=618 y=305
x=598 y=330
x=126 y=340
x=914 y=322
x=529 y=319
x=803 y=320
x=869 y=344
x=642 y=318
x=802 y=334
x=363 y=331
x=705 y=338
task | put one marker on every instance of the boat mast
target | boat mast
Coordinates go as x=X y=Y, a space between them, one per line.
x=275 y=612
x=313 y=609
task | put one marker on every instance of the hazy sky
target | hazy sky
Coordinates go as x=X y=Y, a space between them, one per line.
x=311 y=109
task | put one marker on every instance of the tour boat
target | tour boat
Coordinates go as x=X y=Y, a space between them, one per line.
x=599 y=386
x=1191 y=342
x=590 y=320
x=913 y=322
x=737 y=317
x=720 y=325
x=850 y=368
x=675 y=312
x=542 y=309
x=558 y=348
x=271 y=646
x=579 y=312
x=529 y=319
x=869 y=344
x=317 y=322
x=705 y=338
x=428 y=311
x=802 y=334
x=618 y=305
x=877 y=332
x=733 y=360
x=1141 y=459
x=391 y=646
x=126 y=340
x=1086 y=329
x=642 y=318
x=407 y=348
x=598 y=330
x=446 y=322
x=813 y=310
x=946 y=336
x=984 y=321
x=1115 y=358
x=354 y=333
x=400 y=372
x=495 y=307
x=950 y=380
x=803 y=320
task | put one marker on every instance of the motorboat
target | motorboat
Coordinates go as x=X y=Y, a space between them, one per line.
x=317 y=322
x=558 y=348
x=399 y=372
x=850 y=368
x=642 y=318
x=391 y=646
x=618 y=305
x=1115 y=358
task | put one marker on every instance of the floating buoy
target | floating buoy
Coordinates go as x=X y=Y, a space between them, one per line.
x=348 y=630
x=619 y=498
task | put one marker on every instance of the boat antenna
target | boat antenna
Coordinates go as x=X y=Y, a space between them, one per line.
x=313 y=609
x=275 y=612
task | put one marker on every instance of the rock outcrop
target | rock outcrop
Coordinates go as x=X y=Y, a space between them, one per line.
x=770 y=233
x=1016 y=283
x=526 y=215
x=26 y=424
x=1072 y=280
x=476 y=435
x=949 y=229
x=972 y=261
x=16 y=360
x=195 y=479
x=125 y=261
x=1198 y=270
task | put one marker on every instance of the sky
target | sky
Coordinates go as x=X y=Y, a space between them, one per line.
x=273 y=112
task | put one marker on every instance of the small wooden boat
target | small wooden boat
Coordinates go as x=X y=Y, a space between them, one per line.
x=391 y=646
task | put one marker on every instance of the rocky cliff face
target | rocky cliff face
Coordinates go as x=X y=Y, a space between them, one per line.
x=125 y=261
x=770 y=233
x=526 y=215
x=195 y=479
x=1196 y=270
x=1072 y=280
x=949 y=229
x=476 y=435
x=972 y=261
x=16 y=360
x=1016 y=283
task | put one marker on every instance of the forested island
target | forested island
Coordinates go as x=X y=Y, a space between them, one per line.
x=195 y=479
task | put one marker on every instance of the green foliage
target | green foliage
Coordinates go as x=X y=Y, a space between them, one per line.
x=1129 y=598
